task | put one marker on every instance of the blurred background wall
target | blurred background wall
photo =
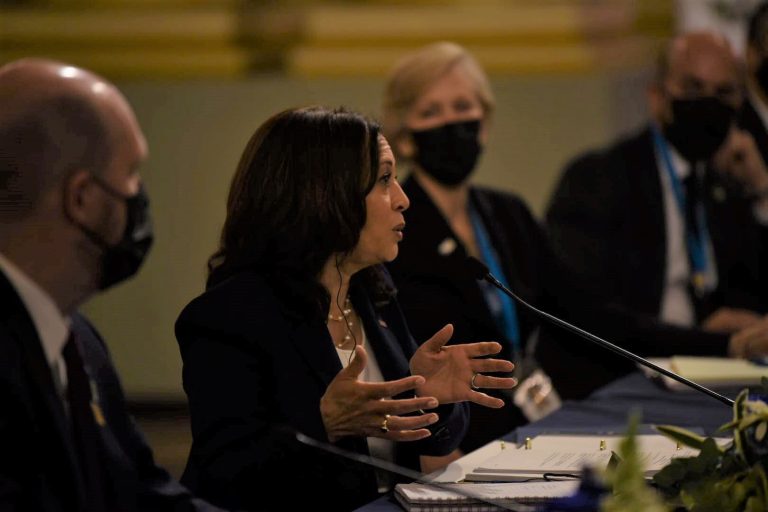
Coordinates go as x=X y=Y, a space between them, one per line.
x=203 y=74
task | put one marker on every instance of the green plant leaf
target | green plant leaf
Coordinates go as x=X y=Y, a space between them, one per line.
x=630 y=492
x=747 y=421
x=682 y=436
x=760 y=431
x=738 y=415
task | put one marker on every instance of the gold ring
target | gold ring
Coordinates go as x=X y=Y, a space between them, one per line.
x=384 y=427
x=472 y=382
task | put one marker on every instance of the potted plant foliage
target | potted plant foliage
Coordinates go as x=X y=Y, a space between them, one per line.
x=723 y=479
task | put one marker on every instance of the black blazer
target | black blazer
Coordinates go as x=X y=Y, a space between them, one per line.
x=254 y=374
x=607 y=225
x=38 y=466
x=435 y=289
x=606 y=218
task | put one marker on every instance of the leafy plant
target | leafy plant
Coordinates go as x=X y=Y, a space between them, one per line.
x=733 y=478
x=626 y=478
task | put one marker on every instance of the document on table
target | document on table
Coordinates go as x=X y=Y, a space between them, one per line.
x=418 y=497
x=714 y=372
x=567 y=455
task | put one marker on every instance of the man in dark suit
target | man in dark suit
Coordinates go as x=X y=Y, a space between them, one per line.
x=73 y=220
x=753 y=116
x=648 y=225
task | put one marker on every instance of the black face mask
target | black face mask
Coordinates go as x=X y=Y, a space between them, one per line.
x=448 y=152
x=699 y=126
x=761 y=75
x=123 y=260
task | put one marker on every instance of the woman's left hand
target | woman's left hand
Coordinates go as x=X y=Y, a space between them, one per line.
x=453 y=374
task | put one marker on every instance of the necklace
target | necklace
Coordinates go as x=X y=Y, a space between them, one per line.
x=344 y=312
x=344 y=317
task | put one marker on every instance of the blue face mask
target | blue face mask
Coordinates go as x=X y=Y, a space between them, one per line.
x=448 y=152
x=123 y=260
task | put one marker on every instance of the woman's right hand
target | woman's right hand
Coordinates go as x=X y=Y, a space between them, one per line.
x=350 y=407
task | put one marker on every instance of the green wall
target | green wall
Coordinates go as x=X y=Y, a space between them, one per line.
x=196 y=131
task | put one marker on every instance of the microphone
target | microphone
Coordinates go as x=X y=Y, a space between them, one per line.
x=481 y=272
x=506 y=504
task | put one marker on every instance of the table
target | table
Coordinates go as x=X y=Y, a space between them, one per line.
x=606 y=411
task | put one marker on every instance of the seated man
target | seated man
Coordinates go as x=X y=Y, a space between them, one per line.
x=753 y=116
x=650 y=226
x=74 y=220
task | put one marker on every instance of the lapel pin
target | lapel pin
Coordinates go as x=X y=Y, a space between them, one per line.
x=383 y=323
x=446 y=247
x=98 y=415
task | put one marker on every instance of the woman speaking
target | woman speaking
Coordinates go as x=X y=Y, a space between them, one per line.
x=299 y=329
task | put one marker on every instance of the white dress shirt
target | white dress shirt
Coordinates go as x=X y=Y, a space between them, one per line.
x=676 y=304
x=51 y=326
x=378 y=447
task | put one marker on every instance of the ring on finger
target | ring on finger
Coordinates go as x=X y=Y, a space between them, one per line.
x=384 y=427
x=472 y=382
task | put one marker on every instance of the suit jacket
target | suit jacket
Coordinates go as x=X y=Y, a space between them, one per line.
x=607 y=225
x=606 y=218
x=39 y=470
x=434 y=287
x=254 y=374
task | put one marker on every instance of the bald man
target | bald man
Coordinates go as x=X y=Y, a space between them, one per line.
x=74 y=220
x=663 y=223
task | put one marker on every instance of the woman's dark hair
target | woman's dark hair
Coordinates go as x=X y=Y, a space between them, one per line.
x=297 y=198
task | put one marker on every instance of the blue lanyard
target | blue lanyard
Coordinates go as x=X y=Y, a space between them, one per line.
x=508 y=310
x=698 y=242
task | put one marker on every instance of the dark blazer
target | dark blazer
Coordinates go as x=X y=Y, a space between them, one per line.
x=750 y=121
x=606 y=218
x=435 y=289
x=607 y=225
x=38 y=467
x=254 y=374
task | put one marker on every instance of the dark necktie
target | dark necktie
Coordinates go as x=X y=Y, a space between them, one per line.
x=85 y=432
x=693 y=197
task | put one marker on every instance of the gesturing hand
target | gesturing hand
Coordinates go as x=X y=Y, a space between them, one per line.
x=740 y=157
x=350 y=407
x=454 y=375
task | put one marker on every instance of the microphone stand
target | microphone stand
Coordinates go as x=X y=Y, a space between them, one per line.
x=506 y=504
x=481 y=272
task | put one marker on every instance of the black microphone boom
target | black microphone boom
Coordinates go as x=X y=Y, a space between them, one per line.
x=480 y=271
x=460 y=489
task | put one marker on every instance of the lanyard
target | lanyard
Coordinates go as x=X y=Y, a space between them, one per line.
x=508 y=309
x=696 y=241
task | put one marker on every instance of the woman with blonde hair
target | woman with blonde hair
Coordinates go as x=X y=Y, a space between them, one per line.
x=437 y=109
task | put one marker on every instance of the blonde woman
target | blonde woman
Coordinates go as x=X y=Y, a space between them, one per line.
x=438 y=105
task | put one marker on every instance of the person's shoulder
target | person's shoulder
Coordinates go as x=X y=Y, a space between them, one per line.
x=87 y=334
x=594 y=160
x=242 y=299
x=498 y=195
x=607 y=163
x=507 y=200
